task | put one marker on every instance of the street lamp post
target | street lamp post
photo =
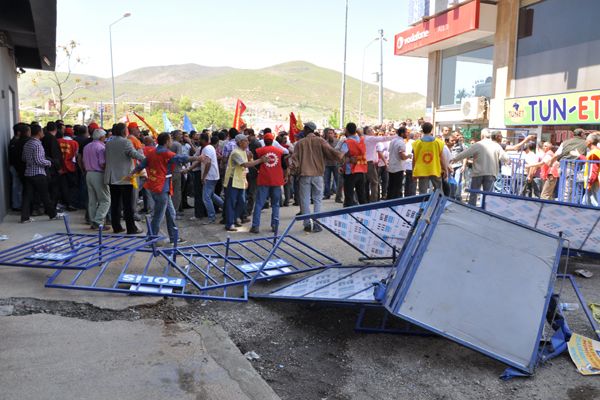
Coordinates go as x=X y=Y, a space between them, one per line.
x=362 y=82
x=112 y=72
x=381 y=39
x=343 y=99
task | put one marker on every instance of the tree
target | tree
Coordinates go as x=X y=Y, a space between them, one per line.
x=62 y=80
x=461 y=94
x=212 y=114
x=334 y=119
x=185 y=104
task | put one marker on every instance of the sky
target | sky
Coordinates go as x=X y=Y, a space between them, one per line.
x=240 y=33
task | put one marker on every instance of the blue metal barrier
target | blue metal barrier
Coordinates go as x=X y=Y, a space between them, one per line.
x=572 y=181
x=513 y=177
x=74 y=250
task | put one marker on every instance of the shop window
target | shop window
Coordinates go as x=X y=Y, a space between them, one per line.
x=466 y=72
x=12 y=107
x=558 y=47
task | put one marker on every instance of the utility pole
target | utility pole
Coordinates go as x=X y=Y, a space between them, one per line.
x=112 y=71
x=381 y=39
x=362 y=83
x=343 y=99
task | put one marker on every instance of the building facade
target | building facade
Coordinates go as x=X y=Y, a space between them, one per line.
x=531 y=64
x=27 y=40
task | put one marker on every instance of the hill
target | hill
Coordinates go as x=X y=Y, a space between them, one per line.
x=294 y=86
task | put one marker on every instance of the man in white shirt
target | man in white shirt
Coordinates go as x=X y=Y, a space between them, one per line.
x=209 y=177
x=372 y=159
x=382 y=165
x=397 y=164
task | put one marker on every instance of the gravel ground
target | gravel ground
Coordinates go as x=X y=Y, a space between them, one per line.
x=311 y=351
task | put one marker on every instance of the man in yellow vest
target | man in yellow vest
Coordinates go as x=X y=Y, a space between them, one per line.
x=235 y=181
x=427 y=160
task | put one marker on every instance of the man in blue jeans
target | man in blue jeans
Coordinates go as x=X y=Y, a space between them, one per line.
x=331 y=166
x=209 y=177
x=270 y=180
x=160 y=165
x=308 y=159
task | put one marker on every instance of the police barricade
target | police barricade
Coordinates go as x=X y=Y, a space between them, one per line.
x=579 y=225
x=74 y=251
x=373 y=232
x=512 y=177
x=469 y=296
x=572 y=184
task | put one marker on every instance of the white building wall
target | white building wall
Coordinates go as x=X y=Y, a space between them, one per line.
x=9 y=114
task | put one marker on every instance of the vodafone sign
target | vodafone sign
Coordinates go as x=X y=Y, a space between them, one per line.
x=452 y=23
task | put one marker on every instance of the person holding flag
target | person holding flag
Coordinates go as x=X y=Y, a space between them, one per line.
x=238 y=122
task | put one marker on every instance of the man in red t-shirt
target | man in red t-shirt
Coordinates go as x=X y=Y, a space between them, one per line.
x=271 y=177
x=67 y=178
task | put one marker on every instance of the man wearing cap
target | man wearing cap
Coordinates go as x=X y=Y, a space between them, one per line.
x=119 y=159
x=270 y=179
x=160 y=165
x=235 y=181
x=308 y=159
x=94 y=161
x=570 y=149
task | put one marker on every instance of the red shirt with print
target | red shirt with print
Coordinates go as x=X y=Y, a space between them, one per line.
x=270 y=173
x=69 y=150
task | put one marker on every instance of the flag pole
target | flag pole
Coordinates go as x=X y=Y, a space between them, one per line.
x=343 y=99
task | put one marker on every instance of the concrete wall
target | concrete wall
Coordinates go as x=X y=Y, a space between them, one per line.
x=8 y=83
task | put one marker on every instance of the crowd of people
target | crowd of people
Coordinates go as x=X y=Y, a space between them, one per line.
x=122 y=173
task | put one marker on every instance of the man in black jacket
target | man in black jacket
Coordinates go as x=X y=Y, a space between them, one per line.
x=53 y=153
x=22 y=132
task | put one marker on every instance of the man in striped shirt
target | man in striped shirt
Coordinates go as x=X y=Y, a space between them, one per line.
x=36 y=180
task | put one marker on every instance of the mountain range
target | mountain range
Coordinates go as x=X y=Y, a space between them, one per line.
x=296 y=86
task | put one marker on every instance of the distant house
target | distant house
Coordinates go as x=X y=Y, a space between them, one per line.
x=27 y=40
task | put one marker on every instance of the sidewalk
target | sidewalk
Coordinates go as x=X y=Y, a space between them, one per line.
x=49 y=356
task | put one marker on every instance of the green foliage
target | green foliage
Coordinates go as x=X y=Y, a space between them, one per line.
x=301 y=87
x=185 y=104
x=211 y=115
x=334 y=119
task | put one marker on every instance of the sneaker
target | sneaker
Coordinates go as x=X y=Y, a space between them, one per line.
x=245 y=219
x=28 y=220
x=179 y=241
x=193 y=219
x=307 y=229
x=317 y=228
x=209 y=222
x=237 y=225
x=254 y=229
x=230 y=229
x=58 y=216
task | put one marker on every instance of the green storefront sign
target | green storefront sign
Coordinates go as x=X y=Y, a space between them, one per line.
x=557 y=109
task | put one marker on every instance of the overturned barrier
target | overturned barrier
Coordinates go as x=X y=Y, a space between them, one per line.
x=405 y=257
x=579 y=225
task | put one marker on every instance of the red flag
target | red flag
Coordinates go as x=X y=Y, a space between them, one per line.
x=293 y=127
x=240 y=107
